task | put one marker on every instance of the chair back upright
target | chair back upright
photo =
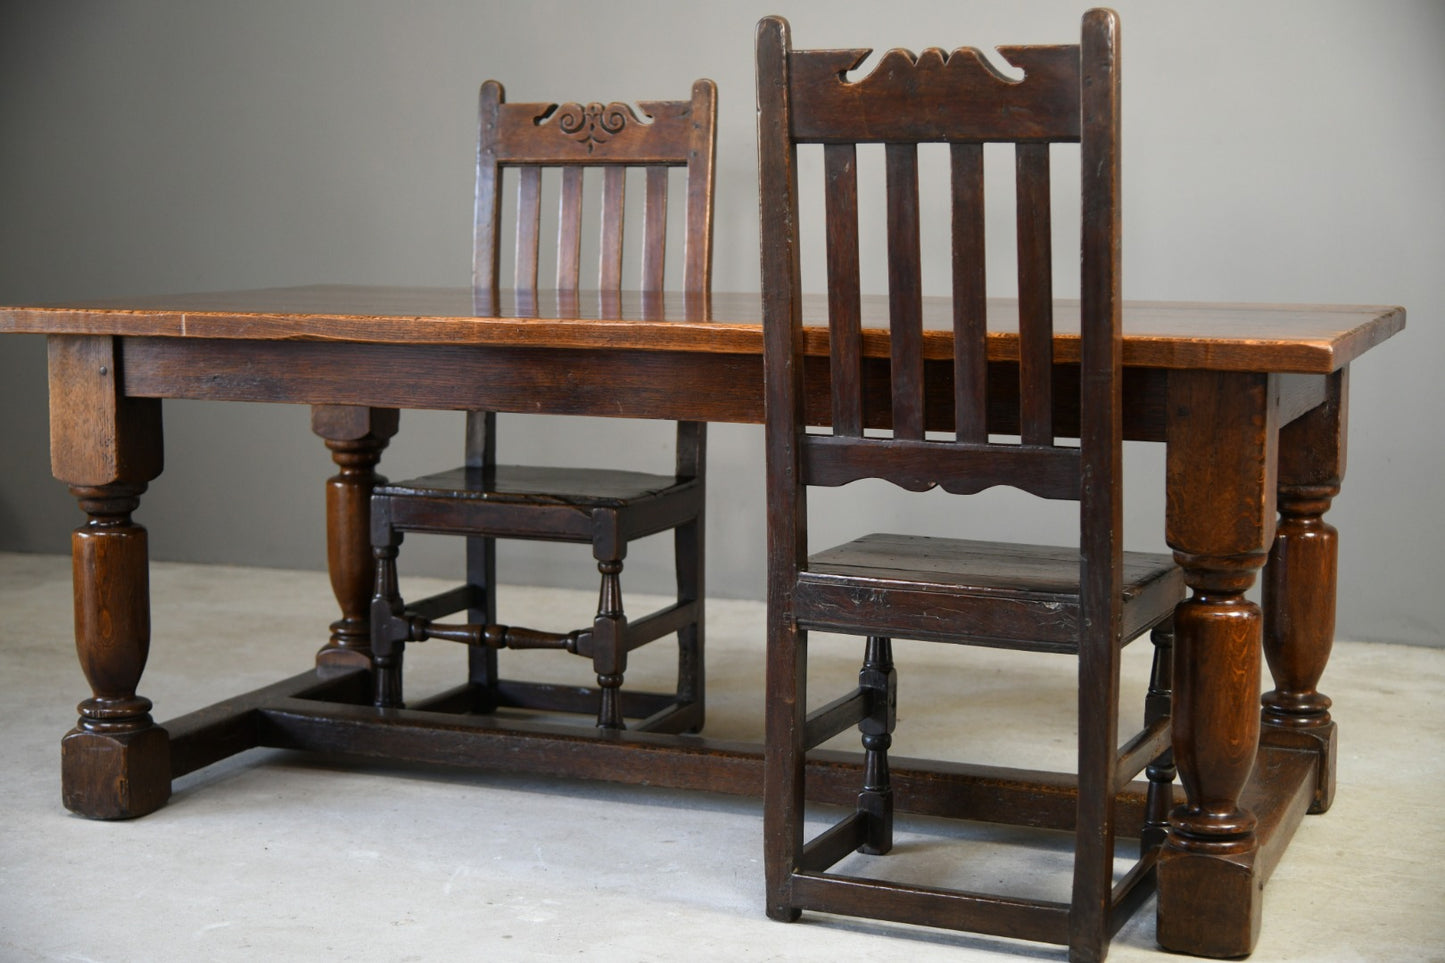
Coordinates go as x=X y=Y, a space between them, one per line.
x=941 y=420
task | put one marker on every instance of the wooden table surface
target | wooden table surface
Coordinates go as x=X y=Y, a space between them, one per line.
x=1165 y=334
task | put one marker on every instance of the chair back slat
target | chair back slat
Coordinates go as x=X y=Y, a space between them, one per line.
x=970 y=294
x=654 y=229
x=1036 y=295
x=614 y=208
x=808 y=97
x=569 y=230
x=905 y=291
x=840 y=162
x=529 y=227
x=572 y=138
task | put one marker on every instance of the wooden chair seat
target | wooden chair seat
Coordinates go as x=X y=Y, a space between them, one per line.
x=582 y=488
x=951 y=589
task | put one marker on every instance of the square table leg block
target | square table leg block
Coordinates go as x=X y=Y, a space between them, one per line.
x=1322 y=740
x=115 y=775
x=1190 y=884
x=1210 y=905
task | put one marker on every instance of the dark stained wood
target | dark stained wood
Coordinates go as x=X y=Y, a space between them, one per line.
x=905 y=291
x=970 y=294
x=1213 y=907
x=926 y=587
x=973 y=101
x=485 y=501
x=845 y=333
x=1299 y=583
x=107 y=448
x=257 y=363
x=614 y=200
x=1036 y=294
x=1217 y=635
x=115 y=763
x=487 y=222
x=1280 y=338
x=569 y=230
x=681 y=356
x=654 y=229
x=356 y=437
x=529 y=227
x=1096 y=911
x=1046 y=471
x=98 y=435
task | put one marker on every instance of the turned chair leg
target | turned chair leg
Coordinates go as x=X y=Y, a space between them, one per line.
x=389 y=626
x=1161 y=771
x=875 y=802
x=688 y=563
x=609 y=653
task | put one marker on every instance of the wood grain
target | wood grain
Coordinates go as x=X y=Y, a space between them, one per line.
x=1312 y=339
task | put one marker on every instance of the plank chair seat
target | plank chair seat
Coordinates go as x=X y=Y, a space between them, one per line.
x=936 y=584
x=562 y=487
x=962 y=427
x=606 y=508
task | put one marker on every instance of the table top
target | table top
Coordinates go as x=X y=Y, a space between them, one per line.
x=1213 y=336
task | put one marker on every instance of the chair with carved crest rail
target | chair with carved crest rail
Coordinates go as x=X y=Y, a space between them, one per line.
x=484 y=500
x=939 y=413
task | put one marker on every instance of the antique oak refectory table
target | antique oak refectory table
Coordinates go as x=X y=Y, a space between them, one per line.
x=1250 y=401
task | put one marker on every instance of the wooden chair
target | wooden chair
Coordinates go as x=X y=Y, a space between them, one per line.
x=484 y=500
x=1087 y=601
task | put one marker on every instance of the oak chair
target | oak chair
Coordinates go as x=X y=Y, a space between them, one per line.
x=965 y=424
x=606 y=509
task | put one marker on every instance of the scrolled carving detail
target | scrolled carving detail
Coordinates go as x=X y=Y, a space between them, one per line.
x=592 y=124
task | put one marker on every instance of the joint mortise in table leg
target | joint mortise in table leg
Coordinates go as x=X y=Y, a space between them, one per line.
x=115 y=763
x=356 y=437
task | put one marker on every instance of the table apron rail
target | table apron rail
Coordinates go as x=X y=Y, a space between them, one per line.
x=618 y=383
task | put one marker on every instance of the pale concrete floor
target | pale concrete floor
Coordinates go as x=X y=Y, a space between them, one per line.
x=279 y=856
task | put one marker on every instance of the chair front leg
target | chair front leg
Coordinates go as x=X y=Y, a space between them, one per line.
x=609 y=652
x=390 y=628
x=879 y=678
x=1161 y=771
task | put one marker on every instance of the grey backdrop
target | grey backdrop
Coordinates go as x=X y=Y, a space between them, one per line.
x=1288 y=152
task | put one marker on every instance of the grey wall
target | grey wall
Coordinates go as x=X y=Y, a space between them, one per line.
x=1274 y=152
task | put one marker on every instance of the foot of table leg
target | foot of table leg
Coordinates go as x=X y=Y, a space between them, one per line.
x=115 y=775
x=115 y=763
x=1227 y=880
x=1299 y=628
x=1210 y=887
